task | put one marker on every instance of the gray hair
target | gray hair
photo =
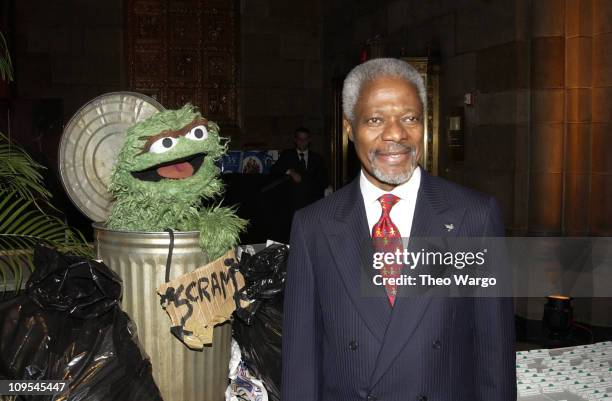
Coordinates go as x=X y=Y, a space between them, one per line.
x=376 y=68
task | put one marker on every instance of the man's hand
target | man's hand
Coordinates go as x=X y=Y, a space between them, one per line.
x=295 y=176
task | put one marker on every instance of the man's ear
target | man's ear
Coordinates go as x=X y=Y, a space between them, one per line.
x=346 y=126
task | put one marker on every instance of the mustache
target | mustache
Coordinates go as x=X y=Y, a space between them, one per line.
x=394 y=147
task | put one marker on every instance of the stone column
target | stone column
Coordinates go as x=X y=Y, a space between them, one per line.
x=547 y=117
x=578 y=91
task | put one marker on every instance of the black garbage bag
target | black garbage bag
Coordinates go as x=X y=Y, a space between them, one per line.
x=264 y=272
x=68 y=325
x=258 y=328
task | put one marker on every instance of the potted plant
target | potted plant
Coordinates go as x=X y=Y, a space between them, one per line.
x=26 y=216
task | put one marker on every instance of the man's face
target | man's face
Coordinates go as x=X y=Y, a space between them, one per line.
x=302 y=140
x=387 y=131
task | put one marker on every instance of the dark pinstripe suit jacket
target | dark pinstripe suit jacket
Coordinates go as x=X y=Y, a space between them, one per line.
x=341 y=346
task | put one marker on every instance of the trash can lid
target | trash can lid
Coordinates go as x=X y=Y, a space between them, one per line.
x=90 y=144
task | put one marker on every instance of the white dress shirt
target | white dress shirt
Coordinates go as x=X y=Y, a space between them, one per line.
x=305 y=152
x=402 y=212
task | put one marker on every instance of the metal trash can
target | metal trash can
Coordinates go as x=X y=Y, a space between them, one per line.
x=140 y=260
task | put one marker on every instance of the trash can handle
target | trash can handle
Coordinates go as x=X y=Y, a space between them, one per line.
x=170 y=250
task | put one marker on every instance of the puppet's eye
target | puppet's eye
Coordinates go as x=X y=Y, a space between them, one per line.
x=198 y=133
x=163 y=145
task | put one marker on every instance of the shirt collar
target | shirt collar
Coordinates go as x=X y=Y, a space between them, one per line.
x=406 y=191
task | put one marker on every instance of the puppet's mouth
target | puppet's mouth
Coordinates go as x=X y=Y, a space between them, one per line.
x=174 y=169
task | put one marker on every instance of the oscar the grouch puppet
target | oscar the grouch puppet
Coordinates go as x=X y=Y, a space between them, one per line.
x=165 y=168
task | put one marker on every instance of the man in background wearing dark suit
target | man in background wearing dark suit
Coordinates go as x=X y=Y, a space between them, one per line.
x=306 y=174
x=341 y=344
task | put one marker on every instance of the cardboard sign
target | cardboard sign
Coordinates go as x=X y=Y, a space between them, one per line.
x=201 y=299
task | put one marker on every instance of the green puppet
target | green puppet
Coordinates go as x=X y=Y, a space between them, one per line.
x=165 y=168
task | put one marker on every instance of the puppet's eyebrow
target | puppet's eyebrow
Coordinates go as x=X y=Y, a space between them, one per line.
x=170 y=133
x=151 y=139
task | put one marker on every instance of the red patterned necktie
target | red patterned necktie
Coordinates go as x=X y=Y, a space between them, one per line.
x=387 y=238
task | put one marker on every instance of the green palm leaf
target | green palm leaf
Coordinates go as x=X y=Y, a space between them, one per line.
x=19 y=172
x=22 y=227
x=6 y=65
x=23 y=222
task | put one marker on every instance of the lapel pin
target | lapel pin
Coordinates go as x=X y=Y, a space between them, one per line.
x=449 y=227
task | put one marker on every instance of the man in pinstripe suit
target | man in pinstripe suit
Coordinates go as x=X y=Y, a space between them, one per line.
x=340 y=344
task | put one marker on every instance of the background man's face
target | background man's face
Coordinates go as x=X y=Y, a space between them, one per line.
x=302 y=140
x=387 y=131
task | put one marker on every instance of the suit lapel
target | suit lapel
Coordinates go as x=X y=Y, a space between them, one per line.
x=351 y=247
x=432 y=216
